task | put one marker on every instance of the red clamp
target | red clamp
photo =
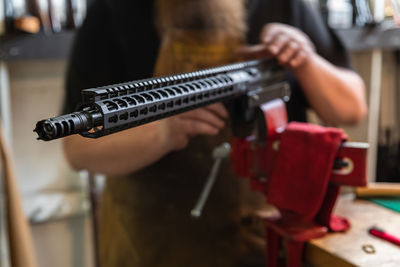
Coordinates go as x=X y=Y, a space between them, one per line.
x=254 y=158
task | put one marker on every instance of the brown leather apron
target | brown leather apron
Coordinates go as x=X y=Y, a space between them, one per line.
x=145 y=217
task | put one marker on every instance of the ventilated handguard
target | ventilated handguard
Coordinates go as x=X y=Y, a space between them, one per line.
x=110 y=109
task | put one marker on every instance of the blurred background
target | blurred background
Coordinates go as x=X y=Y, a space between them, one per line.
x=35 y=40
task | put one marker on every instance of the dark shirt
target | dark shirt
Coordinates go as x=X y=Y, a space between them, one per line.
x=145 y=216
x=118 y=42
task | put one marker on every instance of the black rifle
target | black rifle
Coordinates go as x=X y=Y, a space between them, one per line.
x=109 y=109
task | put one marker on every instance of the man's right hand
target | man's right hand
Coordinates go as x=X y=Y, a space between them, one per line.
x=131 y=150
x=176 y=131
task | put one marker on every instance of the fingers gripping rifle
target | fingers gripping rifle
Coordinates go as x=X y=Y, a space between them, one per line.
x=110 y=109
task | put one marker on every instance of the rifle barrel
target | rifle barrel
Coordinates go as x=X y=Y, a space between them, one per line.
x=110 y=109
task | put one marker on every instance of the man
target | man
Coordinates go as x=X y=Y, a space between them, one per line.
x=156 y=170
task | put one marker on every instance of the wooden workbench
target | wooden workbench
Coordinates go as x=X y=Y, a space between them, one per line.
x=345 y=249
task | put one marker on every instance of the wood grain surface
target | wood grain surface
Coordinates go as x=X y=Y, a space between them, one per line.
x=346 y=249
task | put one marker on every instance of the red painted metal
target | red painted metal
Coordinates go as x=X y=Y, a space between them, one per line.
x=254 y=158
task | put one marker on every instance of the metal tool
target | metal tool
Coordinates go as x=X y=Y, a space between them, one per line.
x=219 y=153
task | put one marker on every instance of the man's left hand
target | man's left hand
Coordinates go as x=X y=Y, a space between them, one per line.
x=290 y=46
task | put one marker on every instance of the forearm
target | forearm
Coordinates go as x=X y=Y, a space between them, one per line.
x=131 y=150
x=336 y=94
x=119 y=153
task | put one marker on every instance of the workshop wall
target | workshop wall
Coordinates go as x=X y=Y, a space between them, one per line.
x=361 y=62
x=53 y=195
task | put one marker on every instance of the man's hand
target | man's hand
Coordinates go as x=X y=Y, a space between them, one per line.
x=131 y=150
x=290 y=46
x=336 y=94
x=177 y=130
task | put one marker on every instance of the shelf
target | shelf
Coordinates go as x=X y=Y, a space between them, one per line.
x=54 y=206
x=362 y=39
x=35 y=47
x=57 y=46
